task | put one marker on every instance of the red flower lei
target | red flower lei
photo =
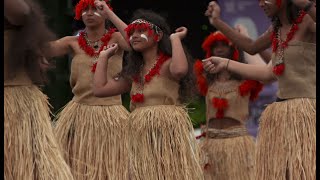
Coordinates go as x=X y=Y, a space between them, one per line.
x=155 y=70
x=89 y=50
x=249 y=86
x=279 y=67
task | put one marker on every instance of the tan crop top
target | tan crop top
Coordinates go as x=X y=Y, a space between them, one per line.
x=238 y=106
x=159 y=91
x=81 y=79
x=21 y=77
x=299 y=77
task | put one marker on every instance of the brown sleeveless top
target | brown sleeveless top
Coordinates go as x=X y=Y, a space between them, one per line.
x=238 y=106
x=81 y=79
x=20 y=77
x=299 y=77
x=159 y=91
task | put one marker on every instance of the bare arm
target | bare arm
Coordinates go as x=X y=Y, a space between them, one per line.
x=60 y=47
x=120 y=25
x=254 y=59
x=104 y=86
x=245 y=43
x=16 y=11
x=179 y=64
x=261 y=73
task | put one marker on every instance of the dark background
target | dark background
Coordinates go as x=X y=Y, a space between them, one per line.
x=178 y=13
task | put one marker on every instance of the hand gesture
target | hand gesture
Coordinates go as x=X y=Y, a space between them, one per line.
x=213 y=12
x=300 y=3
x=181 y=33
x=102 y=7
x=108 y=51
x=214 y=64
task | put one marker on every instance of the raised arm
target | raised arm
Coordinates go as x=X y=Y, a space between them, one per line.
x=104 y=86
x=261 y=73
x=60 y=47
x=103 y=9
x=247 y=44
x=179 y=64
x=16 y=11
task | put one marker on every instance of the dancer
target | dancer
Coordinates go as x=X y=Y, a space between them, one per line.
x=30 y=149
x=92 y=131
x=162 y=145
x=227 y=150
x=286 y=146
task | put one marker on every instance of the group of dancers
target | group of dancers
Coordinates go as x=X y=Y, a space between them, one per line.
x=95 y=138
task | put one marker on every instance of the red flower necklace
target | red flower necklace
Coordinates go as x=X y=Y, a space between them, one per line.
x=155 y=70
x=85 y=44
x=278 y=45
x=248 y=87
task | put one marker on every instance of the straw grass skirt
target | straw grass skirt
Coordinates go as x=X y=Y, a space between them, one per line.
x=286 y=144
x=162 y=144
x=30 y=148
x=94 y=140
x=229 y=158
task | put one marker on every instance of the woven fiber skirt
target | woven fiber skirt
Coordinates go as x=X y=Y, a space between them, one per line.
x=30 y=148
x=94 y=140
x=162 y=144
x=286 y=143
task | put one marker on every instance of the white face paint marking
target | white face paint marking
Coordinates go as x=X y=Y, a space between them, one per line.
x=97 y=14
x=130 y=38
x=268 y=2
x=144 y=37
x=84 y=13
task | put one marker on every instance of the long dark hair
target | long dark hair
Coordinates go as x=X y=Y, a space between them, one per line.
x=135 y=59
x=28 y=45
x=212 y=77
x=292 y=15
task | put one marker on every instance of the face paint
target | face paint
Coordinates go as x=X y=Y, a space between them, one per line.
x=130 y=38
x=268 y=2
x=144 y=37
x=97 y=14
x=84 y=13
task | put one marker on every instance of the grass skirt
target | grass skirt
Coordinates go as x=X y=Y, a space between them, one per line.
x=162 y=144
x=30 y=148
x=94 y=139
x=286 y=148
x=228 y=158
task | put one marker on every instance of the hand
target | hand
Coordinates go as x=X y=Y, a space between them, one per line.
x=44 y=64
x=213 y=12
x=181 y=33
x=102 y=7
x=214 y=64
x=108 y=51
x=242 y=29
x=300 y=3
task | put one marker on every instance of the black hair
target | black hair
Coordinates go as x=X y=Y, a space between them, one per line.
x=135 y=59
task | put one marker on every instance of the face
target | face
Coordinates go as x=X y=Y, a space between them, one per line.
x=140 y=40
x=221 y=49
x=91 y=17
x=269 y=7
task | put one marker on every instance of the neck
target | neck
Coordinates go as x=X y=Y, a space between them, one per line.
x=150 y=56
x=223 y=76
x=282 y=15
x=95 y=33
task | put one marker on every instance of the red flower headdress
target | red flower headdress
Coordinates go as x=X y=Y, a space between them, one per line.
x=142 y=24
x=213 y=38
x=83 y=4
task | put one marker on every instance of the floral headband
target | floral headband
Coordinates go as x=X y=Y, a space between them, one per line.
x=213 y=38
x=142 y=24
x=83 y=4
